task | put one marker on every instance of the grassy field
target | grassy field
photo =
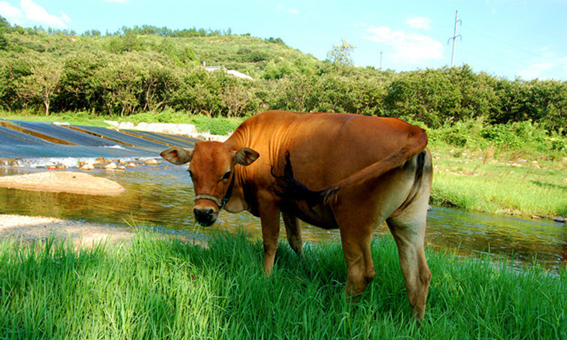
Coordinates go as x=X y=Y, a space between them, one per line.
x=156 y=288
x=526 y=185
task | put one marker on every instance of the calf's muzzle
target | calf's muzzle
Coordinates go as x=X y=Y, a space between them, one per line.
x=205 y=216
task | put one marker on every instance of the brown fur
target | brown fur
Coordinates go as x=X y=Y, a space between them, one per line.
x=331 y=170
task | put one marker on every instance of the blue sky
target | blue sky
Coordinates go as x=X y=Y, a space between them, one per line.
x=505 y=38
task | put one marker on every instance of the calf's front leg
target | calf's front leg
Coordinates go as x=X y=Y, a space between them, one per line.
x=293 y=231
x=270 y=220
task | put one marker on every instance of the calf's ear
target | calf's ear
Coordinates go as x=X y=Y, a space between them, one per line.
x=177 y=155
x=245 y=156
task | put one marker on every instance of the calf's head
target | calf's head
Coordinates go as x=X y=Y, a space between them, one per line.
x=211 y=167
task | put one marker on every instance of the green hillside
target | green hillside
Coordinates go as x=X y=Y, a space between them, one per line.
x=151 y=69
x=239 y=52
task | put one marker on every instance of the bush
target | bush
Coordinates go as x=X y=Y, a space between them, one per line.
x=515 y=136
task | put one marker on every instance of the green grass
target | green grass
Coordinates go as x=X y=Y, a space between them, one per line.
x=158 y=288
x=522 y=185
x=216 y=126
x=76 y=118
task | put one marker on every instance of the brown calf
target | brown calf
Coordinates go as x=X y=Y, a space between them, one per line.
x=331 y=170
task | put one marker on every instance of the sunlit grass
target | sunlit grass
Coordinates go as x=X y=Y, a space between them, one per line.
x=163 y=288
x=76 y=118
x=527 y=187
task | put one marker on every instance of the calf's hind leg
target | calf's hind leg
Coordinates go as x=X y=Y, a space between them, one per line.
x=408 y=229
x=356 y=236
x=358 y=257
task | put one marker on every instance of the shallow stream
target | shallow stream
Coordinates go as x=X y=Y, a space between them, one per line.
x=162 y=197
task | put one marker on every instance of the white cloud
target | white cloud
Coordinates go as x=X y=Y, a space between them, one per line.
x=288 y=10
x=39 y=15
x=536 y=70
x=550 y=65
x=11 y=13
x=65 y=17
x=418 y=22
x=32 y=14
x=409 y=48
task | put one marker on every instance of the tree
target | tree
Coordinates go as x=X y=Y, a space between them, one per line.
x=81 y=85
x=158 y=83
x=43 y=83
x=4 y=26
x=121 y=80
x=12 y=71
x=341 y=54
x=4 y=23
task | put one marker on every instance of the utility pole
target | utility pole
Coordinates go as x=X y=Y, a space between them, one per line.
x=455 y=36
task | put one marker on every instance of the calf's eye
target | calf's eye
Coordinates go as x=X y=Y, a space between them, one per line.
x=226 y=175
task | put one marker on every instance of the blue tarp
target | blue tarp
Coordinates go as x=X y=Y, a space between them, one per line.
x=91 y=142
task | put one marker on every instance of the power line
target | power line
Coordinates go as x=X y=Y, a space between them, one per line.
x=455 y=36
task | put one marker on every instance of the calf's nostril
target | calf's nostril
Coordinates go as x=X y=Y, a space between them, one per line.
x=204 y=217
x=208 y=212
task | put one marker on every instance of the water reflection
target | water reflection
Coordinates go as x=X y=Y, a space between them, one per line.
x=161 y=196
x=525 y=241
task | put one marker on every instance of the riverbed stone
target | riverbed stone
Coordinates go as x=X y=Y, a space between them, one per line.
x=86 y=166
x=151 y=161
x=100 y=165
x=559 y=219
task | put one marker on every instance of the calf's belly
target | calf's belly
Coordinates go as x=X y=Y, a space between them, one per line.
x=318 y=216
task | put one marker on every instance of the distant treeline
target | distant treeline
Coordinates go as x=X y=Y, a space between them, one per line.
x=5 y=27
x=151 y=69
x=141 y=30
